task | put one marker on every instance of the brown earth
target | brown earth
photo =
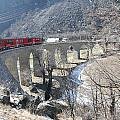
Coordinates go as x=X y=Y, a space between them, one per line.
x=8 y=113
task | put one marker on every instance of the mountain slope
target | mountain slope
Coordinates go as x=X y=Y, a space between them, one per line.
x=68 y=16
x=12 y=10
x=65 y=16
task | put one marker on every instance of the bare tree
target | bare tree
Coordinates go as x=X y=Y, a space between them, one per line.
x=105 y=92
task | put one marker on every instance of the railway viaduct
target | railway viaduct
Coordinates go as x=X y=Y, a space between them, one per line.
x=9 y=58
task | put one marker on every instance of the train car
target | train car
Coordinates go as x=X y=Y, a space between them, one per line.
x=31 y=41
x=26 y=41
x=52 y=40
x=37 y=40
x=9 y=43
x=2 y=44
x=18 y=42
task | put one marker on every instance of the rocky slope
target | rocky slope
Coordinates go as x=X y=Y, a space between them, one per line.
x=12 y=10
x=104 y=22
x=65 y=16
x=69 y=16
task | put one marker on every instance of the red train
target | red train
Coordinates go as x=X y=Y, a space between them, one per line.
x=18 y=42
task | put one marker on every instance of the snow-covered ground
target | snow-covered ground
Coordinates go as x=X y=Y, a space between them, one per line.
x=83 y=91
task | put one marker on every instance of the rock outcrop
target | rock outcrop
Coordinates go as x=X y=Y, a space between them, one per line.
x=51 y=108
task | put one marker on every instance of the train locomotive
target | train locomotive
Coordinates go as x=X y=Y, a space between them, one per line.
x=19 y=42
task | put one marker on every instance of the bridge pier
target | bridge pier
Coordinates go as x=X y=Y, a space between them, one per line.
x=78 y=53
x=11 y=64
x=51 y=58
x=25 y=72
x=37 y=63
x=63 y=53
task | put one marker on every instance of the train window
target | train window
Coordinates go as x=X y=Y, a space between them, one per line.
x=21 y=40
x=29 y=40
x=1 y=42
x=10 y=41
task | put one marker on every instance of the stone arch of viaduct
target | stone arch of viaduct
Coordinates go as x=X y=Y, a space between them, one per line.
x=10 y=57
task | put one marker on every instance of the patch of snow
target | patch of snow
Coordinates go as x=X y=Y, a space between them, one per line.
x=85 y=85
x=43 y=104
x=61 y=102
x=16 y=98
x=45 y=118
x=83 y=99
